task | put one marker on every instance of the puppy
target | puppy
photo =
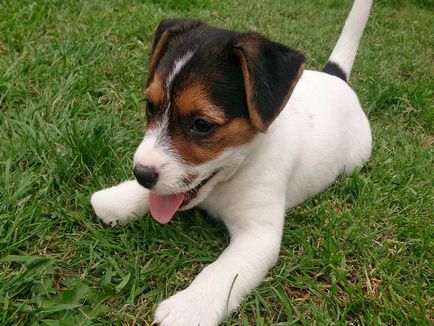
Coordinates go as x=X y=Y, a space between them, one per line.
x=239 y=128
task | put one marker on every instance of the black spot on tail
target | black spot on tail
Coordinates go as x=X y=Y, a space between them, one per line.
x=334 y=69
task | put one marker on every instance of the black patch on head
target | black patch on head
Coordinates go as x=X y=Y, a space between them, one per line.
x=334 y=69
x=167 y=29
x=218 y=70
x=226 y=85
x=213 y=65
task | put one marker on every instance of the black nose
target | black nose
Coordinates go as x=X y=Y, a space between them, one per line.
x=147 y=176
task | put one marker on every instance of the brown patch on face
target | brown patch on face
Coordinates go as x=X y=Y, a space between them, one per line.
x=159 y=46
x=194 y=100
x=155 y=91
x=236 y=132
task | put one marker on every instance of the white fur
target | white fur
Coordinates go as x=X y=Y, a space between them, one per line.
x=176 y=69
x=321 y=133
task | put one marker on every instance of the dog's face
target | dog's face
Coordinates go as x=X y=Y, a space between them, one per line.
x=209 y=92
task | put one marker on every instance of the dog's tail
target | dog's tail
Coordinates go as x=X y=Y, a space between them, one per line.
x=343 y=55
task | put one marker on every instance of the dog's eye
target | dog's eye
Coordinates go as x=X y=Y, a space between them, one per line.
x=201 y=127
x=150 y=109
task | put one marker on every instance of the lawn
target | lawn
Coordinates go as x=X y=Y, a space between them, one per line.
x=72 y=75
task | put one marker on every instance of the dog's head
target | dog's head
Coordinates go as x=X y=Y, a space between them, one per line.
x=209 y=92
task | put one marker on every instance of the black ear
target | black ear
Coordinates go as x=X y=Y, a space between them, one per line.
x=270 y=72
x=166 y=29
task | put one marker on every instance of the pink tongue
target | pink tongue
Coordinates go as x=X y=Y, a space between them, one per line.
x=164 y=207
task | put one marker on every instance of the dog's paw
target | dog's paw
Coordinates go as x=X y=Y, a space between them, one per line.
x=189 y=308
x=116 y=205
x=106 y=209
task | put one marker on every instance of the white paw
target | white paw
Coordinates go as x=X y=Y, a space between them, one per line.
x=189 y=308
x=116 y=205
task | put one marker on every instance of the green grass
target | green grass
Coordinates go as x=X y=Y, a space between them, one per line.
x=71 y=114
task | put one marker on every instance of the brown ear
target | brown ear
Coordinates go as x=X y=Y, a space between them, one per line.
x=167 y=28
x=270 y=72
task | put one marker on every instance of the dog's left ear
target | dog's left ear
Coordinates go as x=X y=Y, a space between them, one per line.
x=270 y=72
x=167 y=29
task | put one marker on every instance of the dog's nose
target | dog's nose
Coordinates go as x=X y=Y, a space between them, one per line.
x=147 y=176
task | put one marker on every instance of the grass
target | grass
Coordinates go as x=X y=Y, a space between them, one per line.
x=71 y=81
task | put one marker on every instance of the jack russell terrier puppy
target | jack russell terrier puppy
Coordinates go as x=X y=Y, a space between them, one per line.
x=237 y=127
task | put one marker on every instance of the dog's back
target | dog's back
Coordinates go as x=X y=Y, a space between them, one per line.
x=333 y=132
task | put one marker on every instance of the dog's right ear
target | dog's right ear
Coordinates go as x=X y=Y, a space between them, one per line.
x=270 y=71
x=167 y=29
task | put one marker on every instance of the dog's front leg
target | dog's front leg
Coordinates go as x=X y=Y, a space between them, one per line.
x=220 y=287
x=116 y=205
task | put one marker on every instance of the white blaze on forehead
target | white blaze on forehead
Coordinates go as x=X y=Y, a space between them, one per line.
x=176 y=68
x=159 y=132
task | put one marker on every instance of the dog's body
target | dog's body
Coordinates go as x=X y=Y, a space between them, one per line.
x=320 y=133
